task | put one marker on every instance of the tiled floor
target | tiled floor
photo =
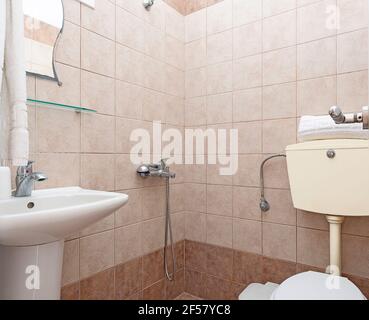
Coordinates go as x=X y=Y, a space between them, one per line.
x=186 y=296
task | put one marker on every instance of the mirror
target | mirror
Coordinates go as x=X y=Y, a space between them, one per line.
x=43 y=24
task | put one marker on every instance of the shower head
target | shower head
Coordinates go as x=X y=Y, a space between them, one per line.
x=148 y=3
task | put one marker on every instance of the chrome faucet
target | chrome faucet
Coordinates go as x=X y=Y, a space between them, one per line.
x=25 y=180
x=160 y=169
x=361 y=117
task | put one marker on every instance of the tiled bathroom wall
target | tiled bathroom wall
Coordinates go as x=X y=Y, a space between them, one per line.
x=254 y=65
x=258 y=66
x=128 y=64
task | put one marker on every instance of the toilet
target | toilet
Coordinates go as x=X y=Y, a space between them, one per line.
x=305 y=286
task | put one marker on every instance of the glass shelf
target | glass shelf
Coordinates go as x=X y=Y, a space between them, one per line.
x=60 y=106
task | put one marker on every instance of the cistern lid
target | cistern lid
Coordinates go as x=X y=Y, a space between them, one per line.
x=317 y=286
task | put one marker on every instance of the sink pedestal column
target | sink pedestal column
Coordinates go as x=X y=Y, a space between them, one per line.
x=335 y=226
x=31 y=273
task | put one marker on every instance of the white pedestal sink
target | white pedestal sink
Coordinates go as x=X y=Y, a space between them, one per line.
x=32 y=233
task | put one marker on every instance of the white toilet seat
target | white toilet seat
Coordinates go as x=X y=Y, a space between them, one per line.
x=317 y=286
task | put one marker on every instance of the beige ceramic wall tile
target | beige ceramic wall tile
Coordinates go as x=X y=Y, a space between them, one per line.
x=312 y=220
x=68 y=93
x=279 y=66
x=68 y=49
x=313 y=247
x=70 y=262
x=279 y=241
x=272 y=7
x=247 y=236
x=316 y=96
x=97 y=53
x=281 y=207
x=58 y=130
x=195 y=83
x=98 y=92
x=278 y=134
x=352 y=51
x=279 y=31
x=247 y=72
x=352 y=89
x=131 y=213
x=219 y=47
x=279 y=101
x=246 y=11
x=101 y=19
x=196 y=226
x=195 y=25
x=248 y=171
x=219 y=17
x=91 y=167
x=247 y=105
x=98 y=133
x=103 y=225
x=353 y=15
x=219 y=231
x=130 y=30
x=152 y=235
x=58 y=168
x=219 y=108
x=72 y=11
x=247 y=40
x=129 y=100
x=312 y=22
x=196 y=54
x=355 y=255
x=219 y=78
x=219 y=200
x=317 y=59
x=96 y=253
x=246 y=203
x=249 y=137
x=129 y=66
x=128 y=243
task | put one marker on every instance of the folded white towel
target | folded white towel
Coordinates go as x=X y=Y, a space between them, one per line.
x=324 y=128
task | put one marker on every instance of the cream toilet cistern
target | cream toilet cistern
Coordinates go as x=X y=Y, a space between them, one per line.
x=319 y=187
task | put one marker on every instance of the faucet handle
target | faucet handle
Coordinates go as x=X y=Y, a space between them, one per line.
x=163 y=162
x=337 y=115
x=22 y=170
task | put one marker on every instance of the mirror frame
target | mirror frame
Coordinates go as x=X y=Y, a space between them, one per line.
x=55 y=78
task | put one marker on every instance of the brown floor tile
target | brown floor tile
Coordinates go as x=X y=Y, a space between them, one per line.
x=99 y=286
x=247 y=268
x=188 y=297
x=155 y=292
x=176 y=287
x=219 y=289
x=70 y=292
x=195 y=256
x=153 y=268
x=219 y=262
x=195 y=283
x=277 y=270
x=128 y=279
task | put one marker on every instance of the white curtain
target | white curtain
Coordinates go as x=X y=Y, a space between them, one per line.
x=14 y=138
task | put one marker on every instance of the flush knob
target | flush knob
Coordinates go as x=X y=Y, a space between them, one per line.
x=331 y=154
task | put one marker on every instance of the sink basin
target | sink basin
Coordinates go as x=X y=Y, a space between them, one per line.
x=53 y=214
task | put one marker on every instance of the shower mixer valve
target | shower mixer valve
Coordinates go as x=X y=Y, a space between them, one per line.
x=361 y=117
x=160 y=169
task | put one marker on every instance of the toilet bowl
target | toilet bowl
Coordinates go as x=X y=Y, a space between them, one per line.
x=305 y=286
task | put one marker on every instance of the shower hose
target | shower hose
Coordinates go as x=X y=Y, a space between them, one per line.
x=168 y=236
